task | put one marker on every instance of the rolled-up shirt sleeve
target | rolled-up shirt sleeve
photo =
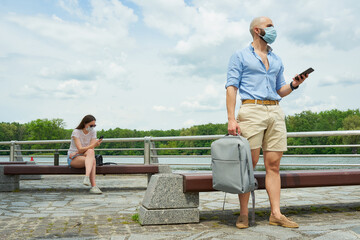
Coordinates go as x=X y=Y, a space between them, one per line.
x=280 y=80
x=234 y=72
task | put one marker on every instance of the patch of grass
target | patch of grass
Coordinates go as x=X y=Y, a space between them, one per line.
x=203 y=218
x=16 y=190
x=109 y=219
x=214 y=218
x=260 y=213
x=135 y=218
x=216 y=225
x=293 y=211
x=50 y=190
x=96 y=229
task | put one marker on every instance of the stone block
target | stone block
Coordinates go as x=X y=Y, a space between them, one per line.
x=30 y=177
x=168 y=216
x=7 y=178
x=165 y=191
x=9 y=187
x=8 y=183
x=164 y=169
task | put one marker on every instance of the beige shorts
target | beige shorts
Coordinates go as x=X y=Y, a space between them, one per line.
x=263 y=126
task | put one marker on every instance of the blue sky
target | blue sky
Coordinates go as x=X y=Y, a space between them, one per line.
x=161 y=64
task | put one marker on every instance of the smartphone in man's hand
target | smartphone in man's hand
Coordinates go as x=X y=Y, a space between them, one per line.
x=307 y=71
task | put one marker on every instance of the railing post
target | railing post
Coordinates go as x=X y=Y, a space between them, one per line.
x=56 y=158
x=147 y=141
x=12 y=151
x=153 y=152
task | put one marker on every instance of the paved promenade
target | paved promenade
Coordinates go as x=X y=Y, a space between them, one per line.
x=61 y=207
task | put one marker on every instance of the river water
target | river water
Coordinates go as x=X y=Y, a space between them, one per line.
x=204 y=163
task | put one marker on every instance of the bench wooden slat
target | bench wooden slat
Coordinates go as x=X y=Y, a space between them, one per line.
x=48 y=170
x=289 y=179
x=12 y=163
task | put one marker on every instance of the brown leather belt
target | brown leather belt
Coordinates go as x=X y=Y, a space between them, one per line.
x=262 y=102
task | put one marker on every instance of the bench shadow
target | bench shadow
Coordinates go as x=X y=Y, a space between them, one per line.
x=77 y=190
x=229 y=217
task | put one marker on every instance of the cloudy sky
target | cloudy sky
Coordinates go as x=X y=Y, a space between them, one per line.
x=161 y=64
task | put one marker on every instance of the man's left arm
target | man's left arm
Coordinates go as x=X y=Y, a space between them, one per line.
x=288 y=88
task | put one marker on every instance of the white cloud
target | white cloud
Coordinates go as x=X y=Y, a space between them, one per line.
x=189 y=123
x=173 y=18
x=160 y=108
x=200 y=33
x=127 y=60
x=70 y=89
x=211 y=99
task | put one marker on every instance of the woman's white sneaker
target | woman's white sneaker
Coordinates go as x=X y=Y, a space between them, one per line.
x=95 y=190
x=86 y=181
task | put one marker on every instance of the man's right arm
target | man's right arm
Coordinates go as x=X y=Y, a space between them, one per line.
x=233 y=126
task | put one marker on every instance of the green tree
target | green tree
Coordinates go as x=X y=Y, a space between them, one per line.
x=12 y=131
x=45 y=129
x=352 y=123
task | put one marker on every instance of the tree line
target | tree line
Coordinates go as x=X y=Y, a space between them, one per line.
x=331 y=120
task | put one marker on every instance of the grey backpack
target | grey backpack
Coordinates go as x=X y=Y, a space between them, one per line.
x=232 y=167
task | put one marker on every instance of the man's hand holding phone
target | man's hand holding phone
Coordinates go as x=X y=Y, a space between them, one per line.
x=300 y=78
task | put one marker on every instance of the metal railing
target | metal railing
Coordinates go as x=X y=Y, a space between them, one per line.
x=150 y=154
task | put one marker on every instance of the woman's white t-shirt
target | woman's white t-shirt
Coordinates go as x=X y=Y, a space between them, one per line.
x=85 y=139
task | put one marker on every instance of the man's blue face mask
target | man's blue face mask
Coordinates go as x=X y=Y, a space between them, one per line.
x=270 y=35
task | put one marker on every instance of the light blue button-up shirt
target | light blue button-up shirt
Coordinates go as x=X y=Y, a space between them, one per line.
x=247 y=72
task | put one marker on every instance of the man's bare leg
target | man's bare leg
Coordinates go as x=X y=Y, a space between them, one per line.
x=242 y=221
x=273 y=181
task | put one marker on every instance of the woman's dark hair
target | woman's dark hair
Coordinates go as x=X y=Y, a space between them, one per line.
x=85 y=120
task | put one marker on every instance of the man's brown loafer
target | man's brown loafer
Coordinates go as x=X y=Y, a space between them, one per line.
x=283 y=222
x=242 y=222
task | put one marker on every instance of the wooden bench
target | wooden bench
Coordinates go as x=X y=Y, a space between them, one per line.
x=183 y=190
x=9 y=174
x=23 y=177
x=195 y=182
x=12 y=163
x=56 y=170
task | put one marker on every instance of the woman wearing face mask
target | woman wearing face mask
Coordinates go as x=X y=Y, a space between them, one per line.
x=81 y=152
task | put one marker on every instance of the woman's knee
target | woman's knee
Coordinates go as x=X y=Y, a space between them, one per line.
x=90 y=152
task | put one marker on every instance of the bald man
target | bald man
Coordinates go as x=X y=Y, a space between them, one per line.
x=258 y=75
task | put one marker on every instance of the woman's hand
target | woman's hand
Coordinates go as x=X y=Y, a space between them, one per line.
x=73 y=154
x=98 y=142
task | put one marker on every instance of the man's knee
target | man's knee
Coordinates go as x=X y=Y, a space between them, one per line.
x=273 y=168
x=272 y=161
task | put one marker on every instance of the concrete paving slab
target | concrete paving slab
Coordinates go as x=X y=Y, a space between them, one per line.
x=55 y=208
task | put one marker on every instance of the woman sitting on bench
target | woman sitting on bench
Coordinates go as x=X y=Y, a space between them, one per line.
x=81 y=152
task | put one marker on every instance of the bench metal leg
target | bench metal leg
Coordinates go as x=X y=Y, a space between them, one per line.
x=8 y=183
x=165 y=203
